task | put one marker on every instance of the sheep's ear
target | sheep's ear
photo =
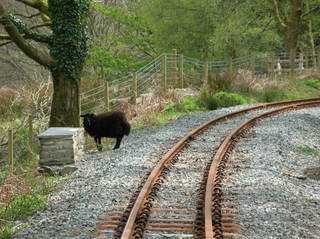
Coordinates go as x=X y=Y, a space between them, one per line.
x=82 y=116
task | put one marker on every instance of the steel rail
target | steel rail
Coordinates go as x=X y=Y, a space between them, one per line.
x=213 y=183
x=165 y=159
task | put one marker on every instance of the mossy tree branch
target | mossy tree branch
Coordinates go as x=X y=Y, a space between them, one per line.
x=293 y=27
x=41 y=57
x=276 y=14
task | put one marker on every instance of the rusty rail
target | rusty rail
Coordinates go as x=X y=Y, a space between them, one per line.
x=141 y=208
x=212 y=206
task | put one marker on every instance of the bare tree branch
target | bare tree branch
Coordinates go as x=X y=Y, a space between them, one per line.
x=281 y=25
x=37 y=4
x=41 y=57
x=5 y=43
x=311 y=11
x=31 y=16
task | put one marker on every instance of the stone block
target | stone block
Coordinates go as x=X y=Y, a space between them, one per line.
x=61 y=146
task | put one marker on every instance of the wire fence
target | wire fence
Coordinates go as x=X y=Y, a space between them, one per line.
x=164 y=72
x=178 y=71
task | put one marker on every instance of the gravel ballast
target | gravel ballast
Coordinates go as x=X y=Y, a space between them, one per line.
x=109 y=178
x=278 y=191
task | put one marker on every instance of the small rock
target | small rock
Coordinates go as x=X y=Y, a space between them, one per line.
x=67 y=170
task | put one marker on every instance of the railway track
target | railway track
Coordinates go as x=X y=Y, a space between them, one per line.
x=182 y=196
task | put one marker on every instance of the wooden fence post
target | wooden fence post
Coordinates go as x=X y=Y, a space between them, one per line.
x=279 y=67
x=30 y=136
x=164 y=73
x=181 y=71
x=134 y=88
x=230 y=66
x=253 y=65
x=106 y=93
x=205 y=74
x=174 y=68
x=319 y=59
x=301 y=60
x=292 y=59
x=307 y=58
x=314 y=61
x=10 y=151
x=272 y=58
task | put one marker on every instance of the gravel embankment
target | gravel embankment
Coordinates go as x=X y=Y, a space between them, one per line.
x=277 y=190
x=109 y=178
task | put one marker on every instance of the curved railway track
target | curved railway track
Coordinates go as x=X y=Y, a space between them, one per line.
x=208 y=217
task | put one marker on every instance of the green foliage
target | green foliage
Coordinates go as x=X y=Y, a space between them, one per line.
x=119 y=53
x=22 y=28
x=69 y=41
x=310 y=151
x=181 y=20
x=212 y=101
x=21 y=206
x=221 y=82
x=18 y=208
x=188 y=104
x=271 y=94
x=7 y=231
x=230 y=99
x=113 y=65
x=208 y=99
x=313 y=82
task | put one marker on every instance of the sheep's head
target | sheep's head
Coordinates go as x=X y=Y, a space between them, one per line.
x=87 y=120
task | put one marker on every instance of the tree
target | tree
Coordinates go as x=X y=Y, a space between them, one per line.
x=290 y=27
x=63 y=51
x=186 y=25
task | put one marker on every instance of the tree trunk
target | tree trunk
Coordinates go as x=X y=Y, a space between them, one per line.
x=65 y=108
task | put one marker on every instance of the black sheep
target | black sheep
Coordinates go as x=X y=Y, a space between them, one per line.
x=111 y=124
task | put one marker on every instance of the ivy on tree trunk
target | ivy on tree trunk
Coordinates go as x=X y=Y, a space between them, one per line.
x=68 y=50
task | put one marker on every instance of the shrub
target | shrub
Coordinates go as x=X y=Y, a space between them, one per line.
x=22 y=206
x=208 y=100
x=312 y=82
x=213 y=101
x=222 y=81
x=271 y=94
x=7 y=231
x=230 y=99
x=8 y=105
x=188 y=104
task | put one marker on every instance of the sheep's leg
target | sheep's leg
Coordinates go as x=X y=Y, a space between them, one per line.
x=119 y=138
x=98 y=143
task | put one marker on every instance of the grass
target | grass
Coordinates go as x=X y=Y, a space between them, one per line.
x=7 y=231
x=22 y=206
x=309 y=151
x=313 y=82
